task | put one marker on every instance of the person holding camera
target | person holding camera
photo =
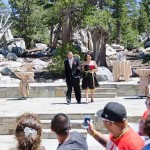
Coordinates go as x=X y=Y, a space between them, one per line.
x=122 y=136
x=144 y=117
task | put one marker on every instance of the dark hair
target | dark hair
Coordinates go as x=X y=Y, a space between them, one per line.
x=26 y=139
x=147 y=126
x=89 y=53
x=60 y=124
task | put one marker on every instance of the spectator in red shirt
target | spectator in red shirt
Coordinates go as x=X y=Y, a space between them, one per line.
x=122 y=137
x=144 y=117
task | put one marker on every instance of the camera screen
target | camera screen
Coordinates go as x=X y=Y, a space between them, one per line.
x=86 y=119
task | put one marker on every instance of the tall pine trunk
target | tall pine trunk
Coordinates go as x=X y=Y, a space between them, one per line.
x=66 y=27
x=118 y=29
x=99 y=37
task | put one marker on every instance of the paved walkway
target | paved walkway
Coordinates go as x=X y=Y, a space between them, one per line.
x=14 y=107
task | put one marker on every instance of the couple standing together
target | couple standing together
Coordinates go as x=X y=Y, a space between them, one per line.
x=73 y=73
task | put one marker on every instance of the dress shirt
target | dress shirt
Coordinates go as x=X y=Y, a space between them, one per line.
x=70 y=62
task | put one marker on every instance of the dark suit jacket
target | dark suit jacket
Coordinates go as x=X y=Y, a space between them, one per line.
x=74 y=72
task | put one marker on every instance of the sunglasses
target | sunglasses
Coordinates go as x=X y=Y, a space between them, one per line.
x=147 y=103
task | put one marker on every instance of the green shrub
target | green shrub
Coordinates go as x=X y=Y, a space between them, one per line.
x=56 y=67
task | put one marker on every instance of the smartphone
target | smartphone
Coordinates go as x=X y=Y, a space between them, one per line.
x=85 y=123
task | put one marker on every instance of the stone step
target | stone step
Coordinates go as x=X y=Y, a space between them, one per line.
x=100 y=90
x=45 y=90
x=48 y=134
x=9 y=141
x=105 y=90
x=75 y=124
x=75 y=116
x=107 y=85
x=99 y=95
x=8 y=124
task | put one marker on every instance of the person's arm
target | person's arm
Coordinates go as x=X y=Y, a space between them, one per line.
x=65 y=68
x=102 y=139
x=83 y=66
x=79 y=66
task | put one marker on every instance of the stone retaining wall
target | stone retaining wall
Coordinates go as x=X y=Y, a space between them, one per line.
x=58 y=90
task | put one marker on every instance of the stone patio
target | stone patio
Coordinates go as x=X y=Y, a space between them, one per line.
x=49 y=99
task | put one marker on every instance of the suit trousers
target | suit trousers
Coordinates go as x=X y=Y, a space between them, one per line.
x=73 y=83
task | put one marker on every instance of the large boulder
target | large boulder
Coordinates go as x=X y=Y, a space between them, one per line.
x=147 y=44
x=12 y=56
x=18 y=51
x=83 y=39
x=104 y=74
x=109 y=50
x=6 y=71
x=41 y=46
x=1 y=57
x=117 y=47
x=17 y=46
x=39 y=64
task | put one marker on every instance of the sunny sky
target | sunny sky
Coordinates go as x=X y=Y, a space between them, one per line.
x=5 y=1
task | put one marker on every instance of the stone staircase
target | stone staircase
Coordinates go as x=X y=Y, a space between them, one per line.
x=104 y=91
x=54 y=90
x=8 y=124
x=58 y=89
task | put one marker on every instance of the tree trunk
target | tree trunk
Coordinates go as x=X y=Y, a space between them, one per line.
x=66 y=27
x=99 y=37
x=51 y=35
x=56 y=36
x=118 y=29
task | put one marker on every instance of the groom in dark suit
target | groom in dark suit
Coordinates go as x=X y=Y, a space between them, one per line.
x=72 y=72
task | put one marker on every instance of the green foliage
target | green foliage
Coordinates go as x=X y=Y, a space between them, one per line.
x=143 y=21
x=78 y=8
x=146 y=4
x=101 y=18
x=63 y=50
x=120 y=18
x=57 y=66
x=130 y=38
x=28 y=20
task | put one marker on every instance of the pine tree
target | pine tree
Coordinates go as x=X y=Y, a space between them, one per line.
x=143 y=21
x=28 y=20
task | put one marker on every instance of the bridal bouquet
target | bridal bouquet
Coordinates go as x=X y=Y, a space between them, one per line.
x=91 y=67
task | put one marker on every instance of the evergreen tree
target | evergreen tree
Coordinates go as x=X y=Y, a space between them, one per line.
x=28 y=20
x=146 y=4
x=143 y=21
